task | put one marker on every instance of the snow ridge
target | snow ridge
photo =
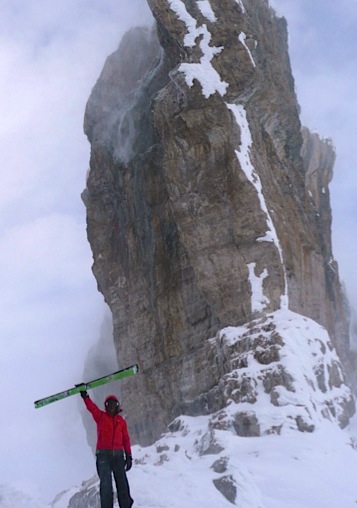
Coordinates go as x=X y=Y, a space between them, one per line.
x=297 y=470
x=207 y=460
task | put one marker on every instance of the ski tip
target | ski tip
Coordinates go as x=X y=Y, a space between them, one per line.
x=136 y=368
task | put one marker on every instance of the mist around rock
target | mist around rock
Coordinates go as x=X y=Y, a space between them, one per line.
x=209 y=219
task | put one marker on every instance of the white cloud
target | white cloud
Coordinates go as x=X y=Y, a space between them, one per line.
x=51 y=55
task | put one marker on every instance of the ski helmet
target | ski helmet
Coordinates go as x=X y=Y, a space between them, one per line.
x=113 y=398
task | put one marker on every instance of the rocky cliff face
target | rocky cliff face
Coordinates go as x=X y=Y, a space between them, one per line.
x=207 y=207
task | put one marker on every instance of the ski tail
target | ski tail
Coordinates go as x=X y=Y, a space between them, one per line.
x=120 y=374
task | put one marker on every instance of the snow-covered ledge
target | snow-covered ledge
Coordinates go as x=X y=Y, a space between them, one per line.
x=282 y=372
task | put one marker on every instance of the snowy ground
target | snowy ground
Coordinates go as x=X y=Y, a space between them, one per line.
x=293 y=470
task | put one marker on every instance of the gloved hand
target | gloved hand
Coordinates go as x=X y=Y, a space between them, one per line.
x=84 y=394
x=128 y=461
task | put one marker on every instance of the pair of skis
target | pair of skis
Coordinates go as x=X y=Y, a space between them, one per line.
x=120 y=374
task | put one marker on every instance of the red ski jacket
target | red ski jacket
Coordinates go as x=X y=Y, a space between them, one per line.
x=112 y=431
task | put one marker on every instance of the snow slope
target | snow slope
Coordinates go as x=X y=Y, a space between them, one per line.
x=283 y=469
x=293 y=470
x=300 y=457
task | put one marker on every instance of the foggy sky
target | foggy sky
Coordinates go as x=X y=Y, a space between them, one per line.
x=51 y=54
x=323 y=44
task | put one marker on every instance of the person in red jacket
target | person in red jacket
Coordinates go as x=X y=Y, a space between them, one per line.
x=113 y=451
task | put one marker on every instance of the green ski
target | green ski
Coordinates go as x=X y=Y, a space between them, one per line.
x=120 y=374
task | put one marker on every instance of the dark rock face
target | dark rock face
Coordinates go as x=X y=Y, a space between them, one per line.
x=202 y=189
x=227 y=487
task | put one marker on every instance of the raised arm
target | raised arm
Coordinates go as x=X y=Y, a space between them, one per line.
x=91 y=406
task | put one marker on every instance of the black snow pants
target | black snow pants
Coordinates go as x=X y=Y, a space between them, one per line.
x=108 y=464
